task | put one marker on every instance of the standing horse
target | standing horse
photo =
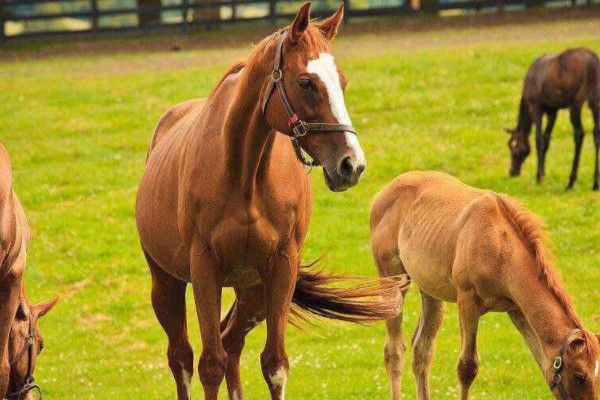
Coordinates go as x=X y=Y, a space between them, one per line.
x=20 y=339
x=483 y=251
x=225 y=202
x=553 y=82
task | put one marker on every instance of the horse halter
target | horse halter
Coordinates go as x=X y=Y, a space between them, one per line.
x=28 y=385
x=298 y=126
x=558 y=366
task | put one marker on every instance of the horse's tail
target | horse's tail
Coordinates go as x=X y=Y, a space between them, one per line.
x=368 y=300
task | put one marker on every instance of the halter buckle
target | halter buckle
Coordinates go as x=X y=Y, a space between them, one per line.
x=276 y=75
x=558 y=361
x=299 y=130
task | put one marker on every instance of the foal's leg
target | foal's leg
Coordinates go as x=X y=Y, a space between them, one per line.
x=468 y=361
x=595 y=107
x=248 y=312
x=279 y=282
x=519 y=320
x=168 y=301
x=578 y=137
x=207 y=293
x=385 y=253
x=423 y=342
x=548 y=133
x=536 y=116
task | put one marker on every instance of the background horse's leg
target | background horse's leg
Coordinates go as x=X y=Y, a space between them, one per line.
x=9 y=302
x=468 y=361
x=279 y=288
x=520 y=322
x=207 y=293
x=578 y=137
x=423 y=342
x=536 y=116
x=548 y=133
x=389 y=264
x=168 y=301
x=595 y=107
x=248 y=312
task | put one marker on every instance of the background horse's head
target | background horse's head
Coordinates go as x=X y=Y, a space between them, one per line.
x=580 y=374
x=519 y=150
x=315 y=87
x=24 y=346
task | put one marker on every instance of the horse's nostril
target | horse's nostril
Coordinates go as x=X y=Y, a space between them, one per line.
x=346 y=167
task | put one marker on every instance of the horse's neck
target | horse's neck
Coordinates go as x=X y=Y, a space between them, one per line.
x=548 y=318
x=524 y=121
x=247 y=138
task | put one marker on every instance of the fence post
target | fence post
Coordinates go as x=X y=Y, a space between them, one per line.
x=233 y=10
x=272 y=4
x=184 y=14
x=2 y=14
x=94 y=5
x=347 y=8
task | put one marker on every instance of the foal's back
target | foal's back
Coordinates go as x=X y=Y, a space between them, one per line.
x=425 y=222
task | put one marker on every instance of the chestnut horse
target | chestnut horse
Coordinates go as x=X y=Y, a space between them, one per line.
x=553 y=82
x=485 y=252
x=20 y=339
x=224 y=202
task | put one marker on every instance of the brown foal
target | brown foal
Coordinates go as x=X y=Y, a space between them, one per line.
x=483 y=251
x=20 y=339
x=553 y=82
x=225 y=202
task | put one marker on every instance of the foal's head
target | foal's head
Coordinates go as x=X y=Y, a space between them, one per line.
x=24 y=346
x=580 y=373
x=315 y=86
x=519 y=150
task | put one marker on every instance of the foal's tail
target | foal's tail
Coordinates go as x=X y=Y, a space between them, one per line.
x=368 y=300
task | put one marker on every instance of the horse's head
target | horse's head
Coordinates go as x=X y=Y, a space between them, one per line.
x=578 y=370
x=519 y=150
x=24 y=346
x=315 y=86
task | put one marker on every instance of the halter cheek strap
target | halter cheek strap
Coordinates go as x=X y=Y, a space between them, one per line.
x=559 y=364
x=298 y=127
x=28 y=385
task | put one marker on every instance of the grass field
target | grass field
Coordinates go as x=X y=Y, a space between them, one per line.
x=77 y=128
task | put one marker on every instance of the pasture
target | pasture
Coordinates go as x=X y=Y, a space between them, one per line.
x=77 y=129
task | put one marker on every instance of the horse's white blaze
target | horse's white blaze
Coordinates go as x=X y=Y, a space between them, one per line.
x=324 y=67
x=278 y=379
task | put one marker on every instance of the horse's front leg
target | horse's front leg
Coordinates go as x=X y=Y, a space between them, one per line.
x=540 y=144
x=468 y=361
x=280 y=281
x=207 y=293
x=10 y=292
x=578 y=137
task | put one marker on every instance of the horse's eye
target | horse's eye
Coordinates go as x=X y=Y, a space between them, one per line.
x=579 y=378
x=513 y=144
x=306 y=84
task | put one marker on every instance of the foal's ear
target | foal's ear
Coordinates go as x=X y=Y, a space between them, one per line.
x=300 y=23
x=509 y=131
x=329 y=27
x=41 y=309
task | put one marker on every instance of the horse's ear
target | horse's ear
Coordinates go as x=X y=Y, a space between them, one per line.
x=329 y=27
x=41 y=309
x=300 y=23
x=509 y=131
x=21 y=310
x=576 y=344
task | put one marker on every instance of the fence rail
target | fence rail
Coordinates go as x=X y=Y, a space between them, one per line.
x=186 y=9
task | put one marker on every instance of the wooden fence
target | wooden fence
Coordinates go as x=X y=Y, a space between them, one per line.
x=12 y=11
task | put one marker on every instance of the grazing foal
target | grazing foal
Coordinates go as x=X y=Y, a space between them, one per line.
x=225 y=202
x=483 y=251
x=553 y=82
x=20 y=339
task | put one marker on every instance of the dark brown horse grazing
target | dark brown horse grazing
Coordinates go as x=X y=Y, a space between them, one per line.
x=483 y=251
x=20 y=339
x=553 y=82
x=225 y=202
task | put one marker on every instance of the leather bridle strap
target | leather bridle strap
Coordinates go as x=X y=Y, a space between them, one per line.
x=28 y=385
x=559 y=364
x=297 y=126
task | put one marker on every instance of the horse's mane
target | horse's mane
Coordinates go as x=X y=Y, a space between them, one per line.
x=233 y=69
x=530 y=228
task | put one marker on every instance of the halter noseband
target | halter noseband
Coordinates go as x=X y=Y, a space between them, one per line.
x=558 y=366
x=298 y=126
x=28 y=385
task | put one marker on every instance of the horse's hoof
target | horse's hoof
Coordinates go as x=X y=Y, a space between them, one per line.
x=595 y=187
x=569 y=187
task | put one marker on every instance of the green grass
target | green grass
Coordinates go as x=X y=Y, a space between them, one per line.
x=77 y=129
